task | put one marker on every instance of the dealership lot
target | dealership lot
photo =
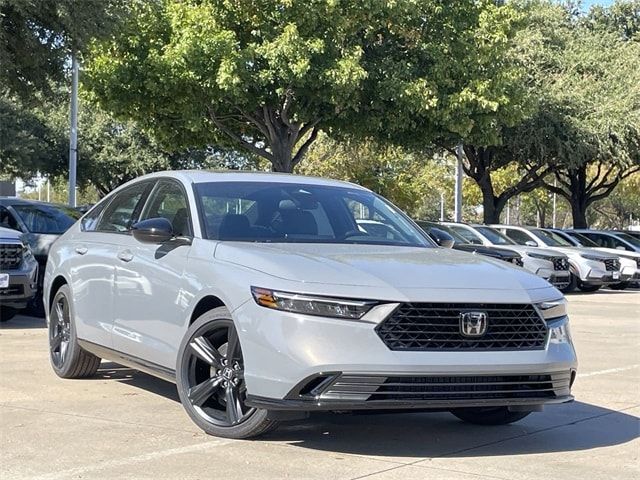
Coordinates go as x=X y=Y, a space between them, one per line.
x=125 y=424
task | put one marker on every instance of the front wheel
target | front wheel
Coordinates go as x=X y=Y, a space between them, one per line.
x=489 y=415
x=210 y=379
x=68 y=359
x=7 y=313
x=573 y=283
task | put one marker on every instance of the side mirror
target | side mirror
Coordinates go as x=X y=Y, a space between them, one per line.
x=530 y=243
x=442 y=238
x=153 y=230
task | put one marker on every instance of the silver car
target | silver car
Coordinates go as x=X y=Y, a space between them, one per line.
x=260 y=296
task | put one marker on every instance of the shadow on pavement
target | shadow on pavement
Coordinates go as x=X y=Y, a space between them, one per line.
x=23 y=322
x=560 y=428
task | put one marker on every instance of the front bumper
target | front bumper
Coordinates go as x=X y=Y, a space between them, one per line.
x=23 y=285
x=284 y=354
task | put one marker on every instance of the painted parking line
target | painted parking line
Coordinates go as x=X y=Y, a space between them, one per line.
x=610 y=370
x=123 y=462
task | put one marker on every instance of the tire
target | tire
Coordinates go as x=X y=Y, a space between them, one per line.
x=68 y=359
x=488 y=415
x=588 y=288
x=210 y=379
x=7 y=313
x=573 y=283
x=620 y=286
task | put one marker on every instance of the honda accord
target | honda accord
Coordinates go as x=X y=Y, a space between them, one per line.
x=263 y=299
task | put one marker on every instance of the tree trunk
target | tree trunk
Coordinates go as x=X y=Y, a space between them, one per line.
x=578 y=200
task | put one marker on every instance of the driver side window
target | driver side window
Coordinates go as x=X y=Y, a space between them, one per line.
x=169 y=201
x=121 y=213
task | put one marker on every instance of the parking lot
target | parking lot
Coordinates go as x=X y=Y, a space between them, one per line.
x=125 y=424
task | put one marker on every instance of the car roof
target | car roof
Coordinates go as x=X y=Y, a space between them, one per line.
x=25 y=201
x=203 y=176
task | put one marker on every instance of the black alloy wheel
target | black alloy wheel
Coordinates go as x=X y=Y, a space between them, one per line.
x=59 y=331
x=210 y=378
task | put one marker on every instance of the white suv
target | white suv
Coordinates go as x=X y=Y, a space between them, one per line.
x=551 y=265
x=590 y=269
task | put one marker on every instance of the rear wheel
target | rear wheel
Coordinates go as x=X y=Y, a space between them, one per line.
x=210 y=378
x=68 y=359
x=489 y=415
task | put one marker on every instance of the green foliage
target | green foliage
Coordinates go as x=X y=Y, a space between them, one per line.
x=266 y=76
x=37 y=37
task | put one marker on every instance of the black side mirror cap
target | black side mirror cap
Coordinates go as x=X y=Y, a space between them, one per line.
x=442 y=238
x=153 y=230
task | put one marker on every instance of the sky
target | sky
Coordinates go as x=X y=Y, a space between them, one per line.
x=586 y=4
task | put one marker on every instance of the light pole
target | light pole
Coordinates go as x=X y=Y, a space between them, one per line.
x=458 y=185
x=73 y=137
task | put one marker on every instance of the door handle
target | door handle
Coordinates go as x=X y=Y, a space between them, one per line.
x=81 y=250
x=125 y=255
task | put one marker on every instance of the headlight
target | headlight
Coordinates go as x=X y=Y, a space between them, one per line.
x=311 y=305
x=592 y=257
x=26 y=251
x=553 y=309
x=539 y=255
x=559 y=331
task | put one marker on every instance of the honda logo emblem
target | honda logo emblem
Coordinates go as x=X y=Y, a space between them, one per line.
x=473 y=324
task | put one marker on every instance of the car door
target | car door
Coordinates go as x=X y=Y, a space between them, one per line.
x=150 y=306
x=92 y=267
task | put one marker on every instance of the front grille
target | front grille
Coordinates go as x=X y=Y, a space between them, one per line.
x=612 y=264
x=448 y=388
x=560 y=263
x=10 y=256
x=436 y=326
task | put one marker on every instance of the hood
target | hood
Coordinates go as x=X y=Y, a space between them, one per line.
x=577 y=251
x=378 y=266
x=549 y=252
x=8 y=234
x=618 y=253
x=502 y=253
x=40 y=243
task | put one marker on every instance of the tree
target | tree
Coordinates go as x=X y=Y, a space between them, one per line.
x=587 y=124
x=36 y=38
x=268 y=76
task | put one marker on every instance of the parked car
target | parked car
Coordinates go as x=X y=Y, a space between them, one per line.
x=589 y=270
x=260 y=296
x=629 y=261
x=460 y=243
x=633 y=233
x=616 y=240
x=41 y=224
x=551 y=265
x=18 y=274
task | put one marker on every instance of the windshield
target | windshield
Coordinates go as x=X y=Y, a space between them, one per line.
x=298 y=213
x=494 y=236
x=551 y=239
x=582 y=240
x=629 y=238
x=44 y=218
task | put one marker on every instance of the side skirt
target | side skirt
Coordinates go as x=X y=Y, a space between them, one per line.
x=129 y=360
